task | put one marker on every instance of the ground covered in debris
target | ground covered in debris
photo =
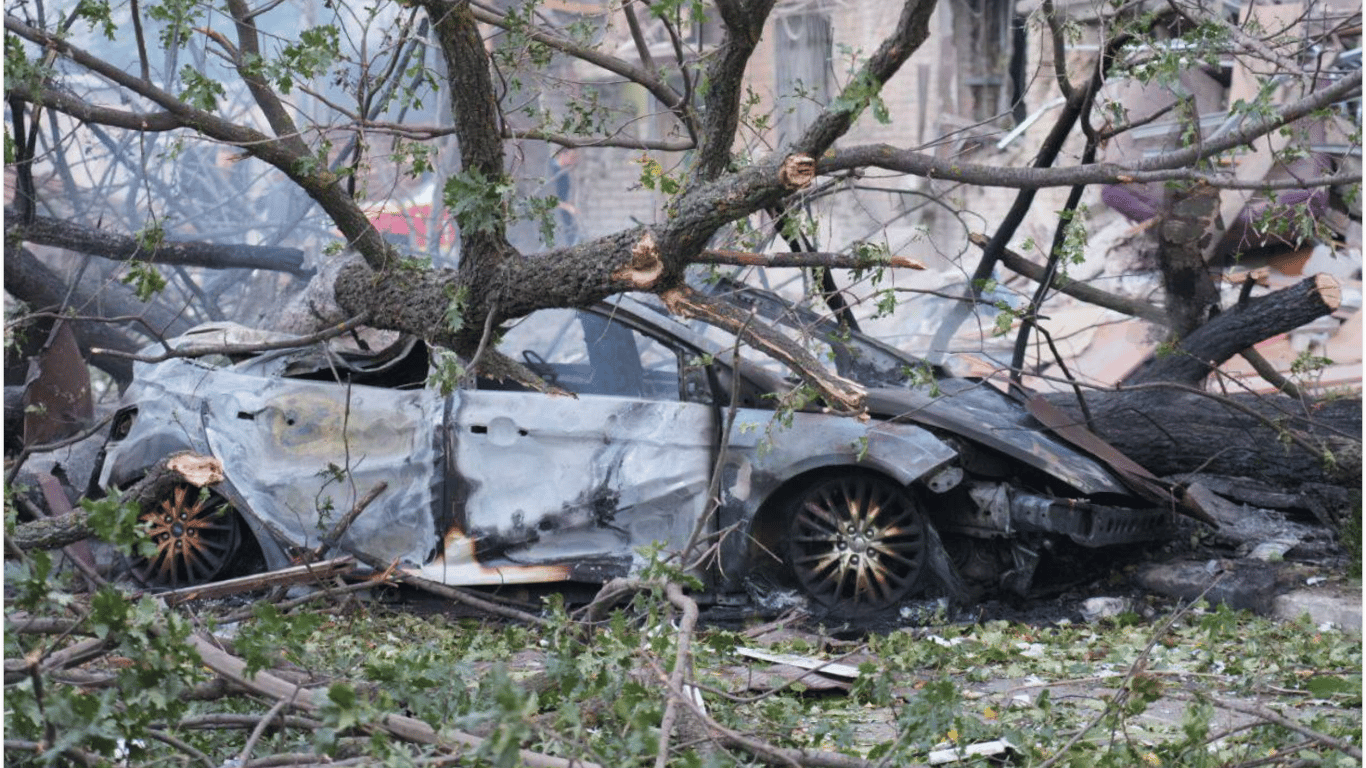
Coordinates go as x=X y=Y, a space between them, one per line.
x=1163 y=683
x=1236 y=647
x=1100 y=671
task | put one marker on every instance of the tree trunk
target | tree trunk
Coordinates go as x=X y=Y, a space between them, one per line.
x=1182 y=239
x=1311 y=450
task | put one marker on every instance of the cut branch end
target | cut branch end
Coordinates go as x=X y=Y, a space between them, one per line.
x=797 y=172
x=646 y=266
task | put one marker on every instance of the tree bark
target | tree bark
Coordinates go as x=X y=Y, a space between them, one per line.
x=31 y=281
x=1277 y=439
x=1183 y=236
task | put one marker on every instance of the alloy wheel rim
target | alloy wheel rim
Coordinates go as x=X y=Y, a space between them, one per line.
x=194 y=534
x=857 y=543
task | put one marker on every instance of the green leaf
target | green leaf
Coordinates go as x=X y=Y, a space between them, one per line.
x=145 y=279
x=200 y=92
x=476 y=202
x=97 y=13
x=1327 y=686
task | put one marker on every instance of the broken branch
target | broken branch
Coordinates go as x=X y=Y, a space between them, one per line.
x=298 y=574
x=403 y=727
x=179 y=468
x=1241 y=326
x=199 y=350
x=840 y=394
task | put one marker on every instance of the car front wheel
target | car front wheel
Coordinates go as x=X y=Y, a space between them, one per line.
x=856 y=543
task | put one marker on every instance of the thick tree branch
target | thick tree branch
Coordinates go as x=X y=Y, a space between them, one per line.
x=249 y=50
x=474 y=107
x=721 y=116
x=804 y=259
x=27 y=278
x=67 y=104
x=1240 y=327
x=98 y=242
x=840 y=394
x=473 y=101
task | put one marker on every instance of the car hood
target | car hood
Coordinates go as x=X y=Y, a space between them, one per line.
x=983 y=414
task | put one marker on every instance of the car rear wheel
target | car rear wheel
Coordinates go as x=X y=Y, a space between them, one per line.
x=196 y=534
x=856 y=543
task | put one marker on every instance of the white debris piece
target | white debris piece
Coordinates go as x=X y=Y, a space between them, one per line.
x=997 y=748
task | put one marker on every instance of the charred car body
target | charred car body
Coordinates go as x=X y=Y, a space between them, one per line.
x=950 y=482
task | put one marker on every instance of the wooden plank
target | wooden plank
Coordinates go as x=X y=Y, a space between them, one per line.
x=298 y=574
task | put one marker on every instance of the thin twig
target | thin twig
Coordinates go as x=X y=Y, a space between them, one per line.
x=166 y=738
x=1272 y=716
x=331 y=538
x=260 y=729
x=1076 y=386
x=1140 y=662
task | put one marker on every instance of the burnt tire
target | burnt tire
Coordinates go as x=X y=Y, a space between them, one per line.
x=856 y=543
x=197 y=535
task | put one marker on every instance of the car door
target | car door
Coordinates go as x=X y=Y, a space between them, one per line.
x=573 y=487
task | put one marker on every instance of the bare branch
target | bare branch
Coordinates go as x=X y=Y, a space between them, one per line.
x=1023 y=266
x=657 y=87
x=249 y=48
x=283 y=153
x=911 y=31
x=642 y=48
x=97 y=242
x=1163 y=167
x=1058 y=38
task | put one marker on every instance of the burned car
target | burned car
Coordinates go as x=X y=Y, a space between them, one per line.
x=668 y=439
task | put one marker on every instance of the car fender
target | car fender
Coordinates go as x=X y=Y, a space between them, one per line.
x=766 y=454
